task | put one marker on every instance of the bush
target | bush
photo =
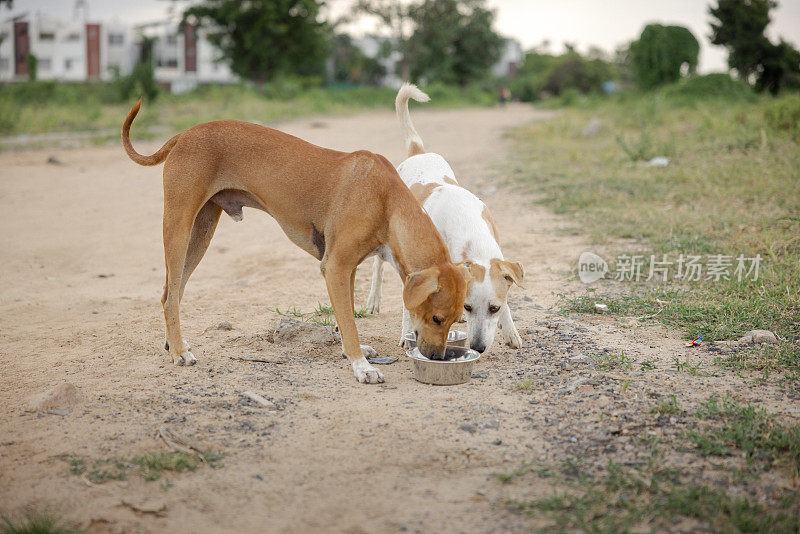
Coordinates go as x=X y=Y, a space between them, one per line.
x=717 y=85
x=139 y=83
x=282 y=89
x=783 y=114
x=660 y=52
x=555 y=75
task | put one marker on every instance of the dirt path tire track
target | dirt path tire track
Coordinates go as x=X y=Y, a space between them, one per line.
x=83 y=271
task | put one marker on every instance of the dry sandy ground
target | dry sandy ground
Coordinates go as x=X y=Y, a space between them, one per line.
x=82 y=275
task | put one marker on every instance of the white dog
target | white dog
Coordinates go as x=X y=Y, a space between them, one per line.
x=468 y=231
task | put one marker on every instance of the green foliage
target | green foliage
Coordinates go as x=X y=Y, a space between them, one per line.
x=568 y=76
x=727 y=190
x=453 y=41
x=749 y=429
x=141 y=82
x=622 y=499
x=33 y=67
x=719 y=86
x=36 y=522
x=262 y=39
x=783 y=115
x=150 y=465
x=351 y=65
x=660 y=52
x=668 y=406
x=740 y=27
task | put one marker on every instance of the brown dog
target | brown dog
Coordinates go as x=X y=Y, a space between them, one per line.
x=339 y=207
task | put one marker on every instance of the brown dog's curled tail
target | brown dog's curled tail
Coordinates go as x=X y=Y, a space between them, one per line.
x=156 y=158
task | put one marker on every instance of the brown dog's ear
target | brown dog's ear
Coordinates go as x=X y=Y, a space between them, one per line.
x=419 y=286
x=464 y=268
x=511 y=271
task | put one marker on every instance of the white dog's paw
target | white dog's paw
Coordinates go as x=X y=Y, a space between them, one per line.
x=514 y=340
x=373 y=306
x=404 y=343
x=365 y=373
x=368 y=351
x=184 y=358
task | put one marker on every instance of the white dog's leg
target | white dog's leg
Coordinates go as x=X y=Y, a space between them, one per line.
x=405 y=329
x=374 y=299
x=508 y=330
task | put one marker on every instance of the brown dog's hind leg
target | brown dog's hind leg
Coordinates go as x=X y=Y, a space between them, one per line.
x=202 y=231
x=177 y=234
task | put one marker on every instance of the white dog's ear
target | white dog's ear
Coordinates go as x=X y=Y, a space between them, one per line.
x=511 y=271
x=464 y=268
x=419 y=286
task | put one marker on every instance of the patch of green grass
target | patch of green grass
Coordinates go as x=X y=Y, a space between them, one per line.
x=648 y=365
x=731 y=188
x=690 y=368
x=99 y=470
x=610 y=361
x=45 y=107
x=748 y=429
x=36 y=522
x=620 y=499
x=322 y=315
x=667 y=406
x=522 y=470
x=150 y=465
x=529 y=384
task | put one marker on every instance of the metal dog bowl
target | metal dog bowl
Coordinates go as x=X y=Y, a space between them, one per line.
x=455 y=338
x=444 y=372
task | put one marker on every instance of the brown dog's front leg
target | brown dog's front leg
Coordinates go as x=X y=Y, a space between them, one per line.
x=338 y=281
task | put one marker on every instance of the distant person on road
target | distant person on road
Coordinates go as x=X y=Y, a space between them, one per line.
x=503 y=95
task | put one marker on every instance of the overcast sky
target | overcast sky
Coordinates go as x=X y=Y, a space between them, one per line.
x=604 y=23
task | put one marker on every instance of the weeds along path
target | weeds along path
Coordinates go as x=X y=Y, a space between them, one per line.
x=83 y=272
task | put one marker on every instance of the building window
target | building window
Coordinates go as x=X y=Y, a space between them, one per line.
x=4 y=63
x=68 y=64
x=172 y=39
x=47 y=36
x=172 y=63
x=45 y=64
x=116 y=39
x=74 y=37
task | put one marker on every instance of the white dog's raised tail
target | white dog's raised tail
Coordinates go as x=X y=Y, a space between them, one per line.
x=412 y=139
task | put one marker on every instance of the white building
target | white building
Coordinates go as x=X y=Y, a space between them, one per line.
x=511 y=58
x=183 y=58
x=75 y=50
x=82 y=50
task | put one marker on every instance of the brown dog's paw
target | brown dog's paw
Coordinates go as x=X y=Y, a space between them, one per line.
x=365 y=373
x=185 y=358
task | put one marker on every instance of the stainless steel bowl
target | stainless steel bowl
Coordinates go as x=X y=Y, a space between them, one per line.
x=444 y=372
x=455 y=338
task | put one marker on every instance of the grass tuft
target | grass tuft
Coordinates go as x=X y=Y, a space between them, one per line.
x=36 y=522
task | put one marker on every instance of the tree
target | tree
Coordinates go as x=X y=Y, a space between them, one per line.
x=740 y=27
x=453 y=41
x=262 y=39
x=350 y=64
x=396 y=18
x=661 y=52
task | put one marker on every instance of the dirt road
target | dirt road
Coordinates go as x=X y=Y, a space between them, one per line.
x=82 y=275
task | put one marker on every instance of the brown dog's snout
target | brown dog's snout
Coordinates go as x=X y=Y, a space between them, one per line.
x=430 y=351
